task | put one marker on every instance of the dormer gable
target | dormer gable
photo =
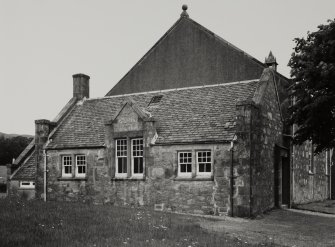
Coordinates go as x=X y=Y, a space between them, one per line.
x=129 y=117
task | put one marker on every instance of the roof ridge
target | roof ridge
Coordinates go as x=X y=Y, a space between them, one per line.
x=174 y=89
x=22 y=166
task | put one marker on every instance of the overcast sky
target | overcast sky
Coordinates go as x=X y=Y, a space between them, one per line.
x=43 y=43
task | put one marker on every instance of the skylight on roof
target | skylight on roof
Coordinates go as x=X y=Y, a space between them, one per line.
x=156 y=99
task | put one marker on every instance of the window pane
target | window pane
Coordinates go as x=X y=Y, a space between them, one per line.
x=67 y=165
x=185 y=162
x=204 y=161
x=182 y=167
x=137 y=152
x=81 y=164
x=138 y=165
x=121 y=155
x=189 y=167
x=122 y=165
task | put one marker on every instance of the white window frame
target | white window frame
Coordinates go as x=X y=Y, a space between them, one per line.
x=138 y=153
x=67 y=175
x=123 y=154
x=204 y=174
x=27 y=185
x=77 y=174
x=187 y=174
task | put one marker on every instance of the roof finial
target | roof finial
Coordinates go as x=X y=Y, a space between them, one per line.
x=271 y=61
x=184 y=13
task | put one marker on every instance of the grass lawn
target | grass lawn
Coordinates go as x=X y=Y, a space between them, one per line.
x=36 y=223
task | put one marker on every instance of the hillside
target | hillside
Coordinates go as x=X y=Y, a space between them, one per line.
x=8 y=136
x=11 y=145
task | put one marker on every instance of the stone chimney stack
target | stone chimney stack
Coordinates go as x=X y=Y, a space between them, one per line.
x=81 y=86
x=271 y=62
x=42 y=130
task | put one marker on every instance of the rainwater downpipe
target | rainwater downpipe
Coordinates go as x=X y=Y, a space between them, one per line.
x=232 y=176
x=330 y=172
x=45 y=176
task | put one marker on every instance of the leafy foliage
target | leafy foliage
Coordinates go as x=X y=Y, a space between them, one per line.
x=313 y=71
x=11 y=148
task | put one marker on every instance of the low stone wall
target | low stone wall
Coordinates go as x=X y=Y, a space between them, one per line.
x=309 y=186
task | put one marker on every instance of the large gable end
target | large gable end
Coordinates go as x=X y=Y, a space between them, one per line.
x=188 y=55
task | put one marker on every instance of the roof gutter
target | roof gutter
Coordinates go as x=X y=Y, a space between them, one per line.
x=192 y=142
x=75 y=147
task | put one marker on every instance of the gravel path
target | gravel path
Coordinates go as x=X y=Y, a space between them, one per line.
x=279 y=227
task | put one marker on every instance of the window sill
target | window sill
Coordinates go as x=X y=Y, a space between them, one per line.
x=128 y=179
x=73 y=179
x=26 y=188
x=194 y=179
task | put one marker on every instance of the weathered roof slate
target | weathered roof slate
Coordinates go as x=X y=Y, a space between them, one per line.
x=198 y=114
x=27 y=170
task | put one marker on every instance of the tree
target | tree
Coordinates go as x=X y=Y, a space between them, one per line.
x=11 y=148
x=313 y=73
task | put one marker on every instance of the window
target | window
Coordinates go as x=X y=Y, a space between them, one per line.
x=74 y=166
x=67 y=166
x=204 y=163
x=137 y=157
x=185 y=164
x=156 y=99
x=121 y=157
x=80 y=165
x=27 y=185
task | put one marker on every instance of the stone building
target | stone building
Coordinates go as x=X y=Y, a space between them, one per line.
x=196 y=126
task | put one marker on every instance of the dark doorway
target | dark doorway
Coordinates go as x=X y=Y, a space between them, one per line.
x=281 y=176
x=285 y=181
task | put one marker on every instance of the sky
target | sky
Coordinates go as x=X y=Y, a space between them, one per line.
x=43 y=43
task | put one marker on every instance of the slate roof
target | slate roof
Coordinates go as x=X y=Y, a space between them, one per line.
x=27 y=170
x=186 y=115
x=187 y=55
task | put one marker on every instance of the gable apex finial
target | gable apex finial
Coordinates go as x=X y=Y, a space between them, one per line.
x=270 y=61
x=184 y=13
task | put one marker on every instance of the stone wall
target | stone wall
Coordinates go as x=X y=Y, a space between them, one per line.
x=309 y=185
x=94 y=187
x=14 y=190
x=160 y=185
x=267 y=132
